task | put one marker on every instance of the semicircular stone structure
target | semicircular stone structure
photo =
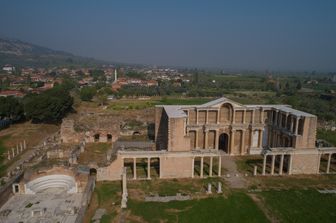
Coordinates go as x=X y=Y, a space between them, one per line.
x=39 y=184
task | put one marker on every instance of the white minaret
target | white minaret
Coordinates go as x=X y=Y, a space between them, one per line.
x=115 y=76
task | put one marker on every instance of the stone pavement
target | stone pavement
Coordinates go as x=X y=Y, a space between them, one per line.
x=98 y=215
x=231 y=173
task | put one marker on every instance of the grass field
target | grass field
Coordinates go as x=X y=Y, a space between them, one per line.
x=237 y=207
x=136 y=104
x=32 y=133
x=94 y=152
x=183 y=101
x=301 y=205
x=287 y=199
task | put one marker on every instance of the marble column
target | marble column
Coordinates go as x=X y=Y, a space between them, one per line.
x=232 y=141
x=273 y=164
x=192 y=167
x=253 y=113
x=329 y=161
x=318 y=164
x=255 y=170
x=260 y=138
x=201 y=170
x=251 y=138
x=264 y=165
x=210 y=167
x=242 y=143
x=280 y=120
x=216 y=138
x=148 y=168
x=290 y=165
x=219 y=166
x=160 y=160
x=134 y=169
x=206 y=139
x=286 y=120
x=281 y=164
x=196 y=139
x=297 y=125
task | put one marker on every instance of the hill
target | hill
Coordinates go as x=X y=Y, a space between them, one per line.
x=19 y=53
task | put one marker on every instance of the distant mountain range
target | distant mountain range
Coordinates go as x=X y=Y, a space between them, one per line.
x=19 y=53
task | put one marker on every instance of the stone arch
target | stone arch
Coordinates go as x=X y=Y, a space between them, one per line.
x=96 y=137
x=109 y=137
x=226 y=113
x=223 y=143
x=93 y=171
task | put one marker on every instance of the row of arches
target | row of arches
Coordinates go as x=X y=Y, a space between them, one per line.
x=102 y=138
x=233 y=142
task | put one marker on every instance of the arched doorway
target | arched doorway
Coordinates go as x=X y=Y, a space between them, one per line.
x=96 y=137
x=223 y=143
x=109 y=137
x=93 y=171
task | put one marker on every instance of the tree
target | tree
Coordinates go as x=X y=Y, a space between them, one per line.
x=102 y=98
x=87 y=93
x=48 y=107
x=11 y=108
x=299 y=85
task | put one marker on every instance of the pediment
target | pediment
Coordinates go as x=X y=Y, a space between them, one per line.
x=220 y=101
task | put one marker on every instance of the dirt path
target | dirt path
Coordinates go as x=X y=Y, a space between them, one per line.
x=232 y=175
x=263 y=208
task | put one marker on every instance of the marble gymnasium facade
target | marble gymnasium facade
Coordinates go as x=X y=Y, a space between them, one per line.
x=183 y=134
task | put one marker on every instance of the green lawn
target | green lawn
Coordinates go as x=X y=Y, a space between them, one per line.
x=301 y=205
x=183 y=101
x=108 y=192
x=238 y=207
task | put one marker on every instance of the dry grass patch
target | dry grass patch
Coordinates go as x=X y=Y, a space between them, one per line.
x=94 y=153
x=32 y=133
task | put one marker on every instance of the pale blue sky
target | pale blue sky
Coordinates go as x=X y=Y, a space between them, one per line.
x=237 y=34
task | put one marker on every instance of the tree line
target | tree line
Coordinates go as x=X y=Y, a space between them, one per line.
x=48 y=107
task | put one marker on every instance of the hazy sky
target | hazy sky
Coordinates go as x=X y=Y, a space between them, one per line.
x=251 y=34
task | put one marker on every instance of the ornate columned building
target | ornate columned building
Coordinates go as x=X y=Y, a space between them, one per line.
x=233 y=128
x=190 y=141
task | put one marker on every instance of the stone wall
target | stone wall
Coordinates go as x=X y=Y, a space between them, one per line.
x=178 y=140
x=68 y=133
x=161 y=129
x=305 y=163
x=176 y=167
x=111 y=172
x=308 y=138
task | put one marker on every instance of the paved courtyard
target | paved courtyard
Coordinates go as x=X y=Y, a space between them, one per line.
x=50 y=206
